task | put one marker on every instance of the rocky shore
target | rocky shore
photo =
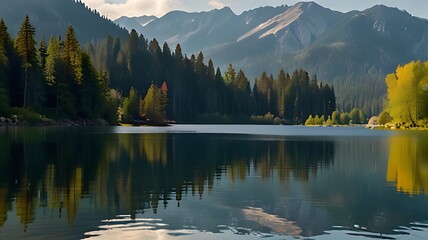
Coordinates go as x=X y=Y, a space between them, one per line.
x=14 y=121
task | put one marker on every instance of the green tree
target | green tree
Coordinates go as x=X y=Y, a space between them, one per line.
x=282 y=83
x=113 y=102
x=12 y=68
x=4 y=103
x=345 y=118
x=52 y=71
x=229 y=76
x=178 y=53
x=130 y=106
x=26 y=48
x=357 y=116
x=92 y=90
x=4 y=100
x=335 y=118
x=199 y=65
x=42 y=54
x=242 y=82
x=71 y=54
x=52 y=60
x=154 y=104
x=310 y=121
x=384 y=118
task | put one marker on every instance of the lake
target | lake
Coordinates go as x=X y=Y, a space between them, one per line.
x=213 y=182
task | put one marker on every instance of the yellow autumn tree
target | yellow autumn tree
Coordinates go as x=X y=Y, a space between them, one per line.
x=408 y=92
x=153 y=106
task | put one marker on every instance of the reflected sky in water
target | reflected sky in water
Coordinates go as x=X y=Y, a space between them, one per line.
x=213 y=182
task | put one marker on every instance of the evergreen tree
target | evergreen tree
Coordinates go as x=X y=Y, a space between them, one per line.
x=71 y=54
x=91 y=103
x=219 y=97
x=178 y=53
x=4 y=99
x=166 y=50
x=42 y=54
x=282 y=83
x=242 y=82
x=52 y=68
x=26 y=48
x=229 y=76
x=199 y=65
x=12 y=68
x=154 y=47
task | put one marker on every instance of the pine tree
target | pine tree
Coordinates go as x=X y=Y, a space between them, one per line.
x=92 y=92
x=26 y=49
x=199 y=65
x=12 y=72
x=52 y=60
x=178 y=53
x=71 y=54
x=43 y=54
x=229 y=76
x=154 y=47
x=4 y=100
x=242 y=82
x=282 y=82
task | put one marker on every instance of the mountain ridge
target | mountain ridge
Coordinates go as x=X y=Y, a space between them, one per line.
x=352 y=50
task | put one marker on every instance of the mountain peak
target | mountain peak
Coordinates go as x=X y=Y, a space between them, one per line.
x=309 y=12
x=224 y=11
x=304 y=5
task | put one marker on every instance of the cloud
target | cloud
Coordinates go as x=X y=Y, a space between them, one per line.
x=114 y=9
x=216 y=4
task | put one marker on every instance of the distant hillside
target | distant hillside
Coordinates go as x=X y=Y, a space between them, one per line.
x=51 y=17
x=136 y=23
x=353 y=51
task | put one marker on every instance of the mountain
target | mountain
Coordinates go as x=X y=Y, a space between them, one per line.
x=205 y=30
x=296 y=28
x=353 y=51
x=244 y=39
x=136 y=23
x=52 y=17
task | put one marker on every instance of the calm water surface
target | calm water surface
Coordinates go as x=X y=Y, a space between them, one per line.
x=213 y=182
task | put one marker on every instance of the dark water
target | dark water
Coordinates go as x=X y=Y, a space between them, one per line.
x=213 y=182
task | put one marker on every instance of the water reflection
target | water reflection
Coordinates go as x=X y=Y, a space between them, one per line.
x=408 y=164
x=238 y=184
x=53 y=168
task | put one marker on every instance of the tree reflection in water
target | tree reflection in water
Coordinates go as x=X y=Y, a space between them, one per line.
x=299 y=186
x=55 y=167
x=408 y=164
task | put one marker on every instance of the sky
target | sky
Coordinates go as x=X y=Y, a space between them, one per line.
x=114 y=9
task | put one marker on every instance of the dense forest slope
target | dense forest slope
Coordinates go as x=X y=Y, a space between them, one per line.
x=354 y=51
x=52 y=17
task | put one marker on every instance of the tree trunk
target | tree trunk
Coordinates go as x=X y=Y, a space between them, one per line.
x=25 y=88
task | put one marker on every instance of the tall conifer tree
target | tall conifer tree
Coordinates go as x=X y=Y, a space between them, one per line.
x=26 y=49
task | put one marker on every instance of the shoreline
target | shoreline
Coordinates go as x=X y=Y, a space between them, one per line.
x=8 y=122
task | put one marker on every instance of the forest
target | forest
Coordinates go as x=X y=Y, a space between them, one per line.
x=137 y=80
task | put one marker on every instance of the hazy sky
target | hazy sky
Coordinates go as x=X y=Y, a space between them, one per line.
x=116 y=8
